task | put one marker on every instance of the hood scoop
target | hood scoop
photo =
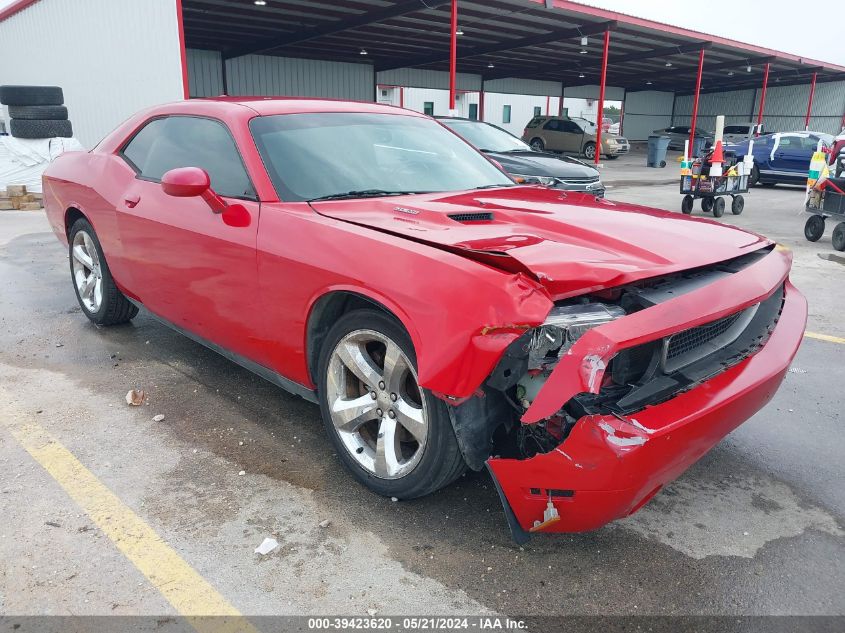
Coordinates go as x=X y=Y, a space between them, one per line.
x=482 y=216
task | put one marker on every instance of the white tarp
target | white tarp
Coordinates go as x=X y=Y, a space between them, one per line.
x=22 y=161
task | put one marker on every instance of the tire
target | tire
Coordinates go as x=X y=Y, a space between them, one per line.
x=31 y=95
x=814 y=228
x=612 y=157
x=754 y=179
x=434 y=460
x=768 y=184
x=113 y=307
x=718 y=207
x=590 y=150
x=839 y=236
x=707 y=205
x=737 y=205
x=686 y=204
x=56 y=113
x=662 y=163
x=537 y=145
x=41 y=128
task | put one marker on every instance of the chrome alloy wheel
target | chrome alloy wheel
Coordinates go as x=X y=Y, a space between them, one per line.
x=376 y=405
x=87 y=273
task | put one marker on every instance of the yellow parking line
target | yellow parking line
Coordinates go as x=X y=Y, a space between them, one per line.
x=825 y=337
x=189 y=593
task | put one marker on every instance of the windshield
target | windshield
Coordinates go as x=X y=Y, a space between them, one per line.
x=737 y=129
x=588 y=126
x=486 y=137
x=360 y=154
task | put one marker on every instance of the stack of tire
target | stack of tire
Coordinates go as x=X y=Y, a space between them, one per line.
x=36 y=111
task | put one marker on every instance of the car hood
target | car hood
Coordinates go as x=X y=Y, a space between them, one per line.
x=531 y=163
x=572 y=243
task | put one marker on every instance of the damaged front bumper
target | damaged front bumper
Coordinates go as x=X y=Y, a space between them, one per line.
x=611 y=465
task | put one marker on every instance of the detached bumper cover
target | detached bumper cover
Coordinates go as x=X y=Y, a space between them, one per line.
x=610 y=466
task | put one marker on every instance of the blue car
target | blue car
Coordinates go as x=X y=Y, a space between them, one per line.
x=783 y=157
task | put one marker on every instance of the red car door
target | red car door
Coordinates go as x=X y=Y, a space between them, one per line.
x=186 y=264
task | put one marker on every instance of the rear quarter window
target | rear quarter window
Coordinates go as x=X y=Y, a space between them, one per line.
x=534 y=122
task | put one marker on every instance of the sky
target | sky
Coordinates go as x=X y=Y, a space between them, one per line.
x=785 y=25
x=812 y=30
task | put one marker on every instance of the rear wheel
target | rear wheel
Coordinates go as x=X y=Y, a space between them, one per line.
x=754 y=179
x=839 y=236
x=718 y=207
x=707 y=205
x=394 y=436
x=686 y=204
x=537 y=144
x=98 y=296
x=814 y=228
x=590 y=150
x=737 y=205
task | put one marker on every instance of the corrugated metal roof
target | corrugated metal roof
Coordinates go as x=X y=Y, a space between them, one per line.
x=501 y=39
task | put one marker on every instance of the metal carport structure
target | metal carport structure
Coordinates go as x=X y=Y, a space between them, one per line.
x=117 y=56
x=541 y=40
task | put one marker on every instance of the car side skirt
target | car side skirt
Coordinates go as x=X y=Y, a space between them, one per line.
x=259 y=370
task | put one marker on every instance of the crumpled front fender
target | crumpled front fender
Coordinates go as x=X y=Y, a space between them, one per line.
x=581 y=370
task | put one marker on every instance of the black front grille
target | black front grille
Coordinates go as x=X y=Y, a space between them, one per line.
x=691 y=339
x=471 y=217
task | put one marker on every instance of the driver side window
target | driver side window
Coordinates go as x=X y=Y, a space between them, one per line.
x=184 y=141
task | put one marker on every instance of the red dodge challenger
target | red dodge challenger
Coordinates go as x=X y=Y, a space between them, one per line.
x=442 y=316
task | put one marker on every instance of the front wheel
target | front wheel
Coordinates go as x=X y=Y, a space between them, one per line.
x=537 y=144
x=814 y=228
x=686 y=204
x=707 y=205
x=737 y=205
x=590 y=150
x=395 y=437
x=718 y=207
x=100 y=299
x=754 y=179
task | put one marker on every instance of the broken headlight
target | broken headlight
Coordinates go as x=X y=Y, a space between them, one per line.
x=564 y=326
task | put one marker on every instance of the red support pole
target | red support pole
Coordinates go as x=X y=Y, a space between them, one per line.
x=401 y=96
x=560 y=105
x=695 y=100
x=481 y=105
x=183 y=54
x=453 y=56
x=810 y=102
x=600 y=115
x=763 y=96
x=548 y=98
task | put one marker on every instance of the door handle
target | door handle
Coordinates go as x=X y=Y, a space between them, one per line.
x=131 y=201
x=779 y=155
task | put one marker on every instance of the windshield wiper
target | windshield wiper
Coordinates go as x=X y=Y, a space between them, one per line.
x=496 y=186
x=364 y=193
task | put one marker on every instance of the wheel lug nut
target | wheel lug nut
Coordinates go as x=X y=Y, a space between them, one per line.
x=391 y=414
x=373 y=395
x=379 y=412
x=381 y=385
x=393 y=397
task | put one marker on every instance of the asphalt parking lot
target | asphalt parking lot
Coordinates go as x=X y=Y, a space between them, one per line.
x=756 y=527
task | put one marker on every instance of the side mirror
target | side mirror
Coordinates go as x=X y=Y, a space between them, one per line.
x=185 y=182
x=189 y=182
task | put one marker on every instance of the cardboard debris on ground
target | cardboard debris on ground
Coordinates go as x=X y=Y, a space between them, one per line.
x=135 y=397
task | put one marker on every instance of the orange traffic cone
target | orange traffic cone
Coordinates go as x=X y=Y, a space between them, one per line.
x=718 y=156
